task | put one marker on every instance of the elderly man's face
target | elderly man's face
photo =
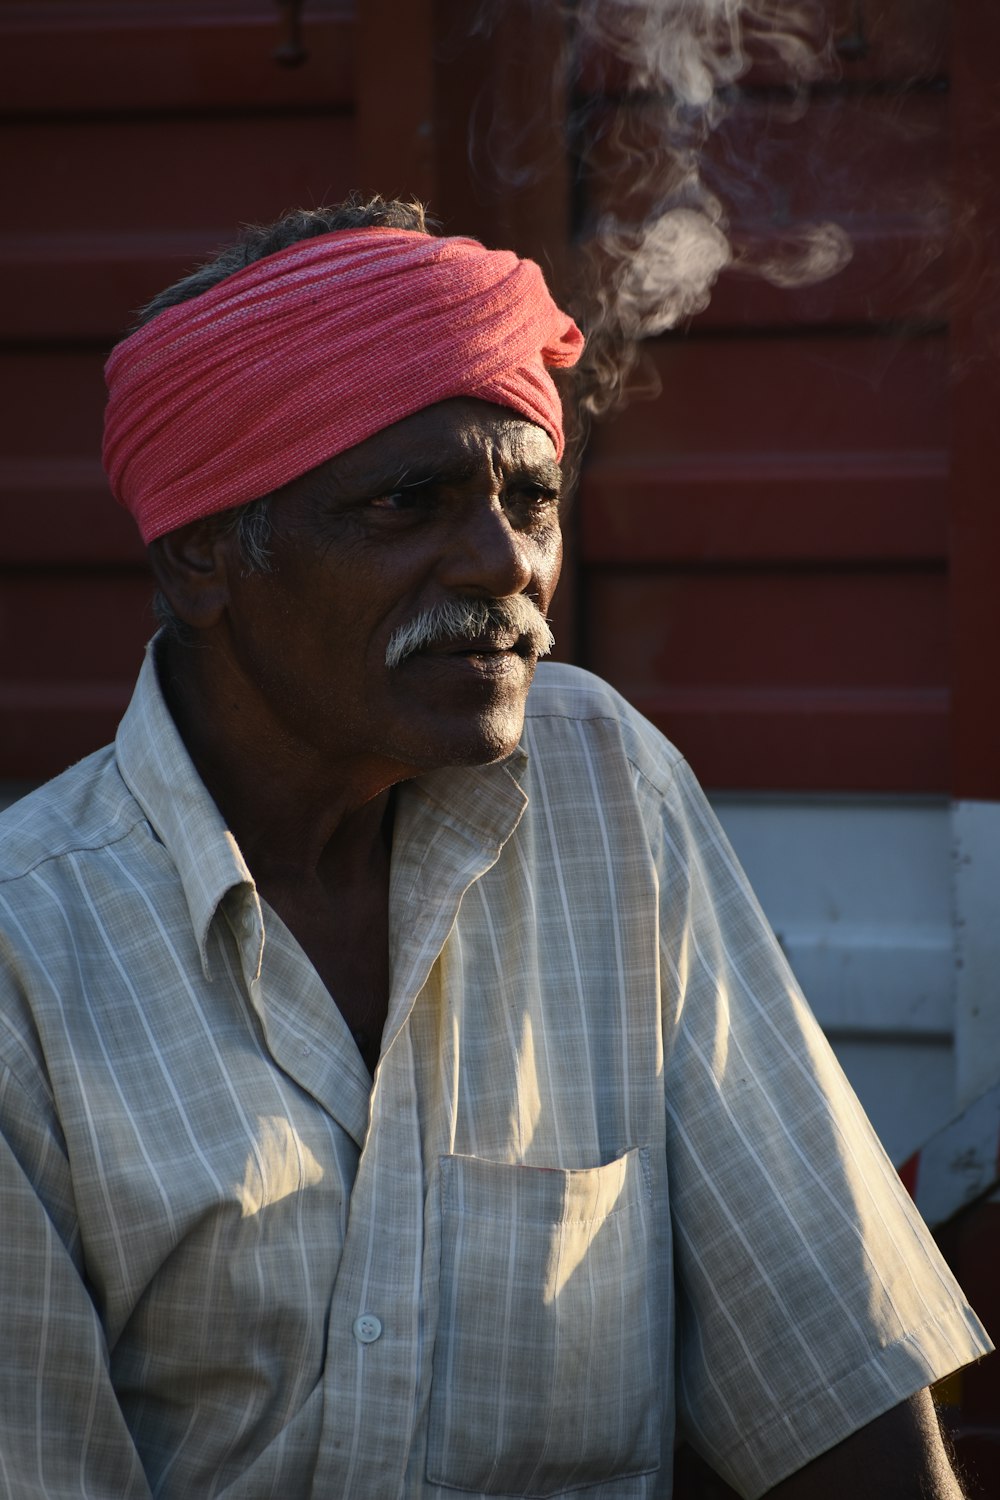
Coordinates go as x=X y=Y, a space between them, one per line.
x=458 y=501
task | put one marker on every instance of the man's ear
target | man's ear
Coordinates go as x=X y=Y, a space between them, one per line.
x=191 y=567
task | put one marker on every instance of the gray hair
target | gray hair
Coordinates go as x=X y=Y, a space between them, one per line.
x=258 y=240
x=253 y=528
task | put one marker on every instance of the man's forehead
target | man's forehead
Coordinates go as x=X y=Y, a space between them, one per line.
x=449 y=435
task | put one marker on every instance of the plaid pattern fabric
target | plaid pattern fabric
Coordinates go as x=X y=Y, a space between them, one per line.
x=609 y=1175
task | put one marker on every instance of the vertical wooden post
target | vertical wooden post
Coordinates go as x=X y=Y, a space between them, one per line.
x=395 y=98
x=975 y=364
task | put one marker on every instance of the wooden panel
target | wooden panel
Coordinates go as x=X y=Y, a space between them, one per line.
x=396 y=146
x=137 y=136
x=52 y=404
x=500 y=141
x=71 y=644
x=64 y=56
x=777 y=449
x=55 y=506
x=61 y=511
x=805 y=451
x=834 y=506
x=248 y=165
x=793 y=396
x=124 y=246
x=58 y=626
x=45 y=729
x=821 y=680
x=874 y=742
x=798 y=630
x=975 y=391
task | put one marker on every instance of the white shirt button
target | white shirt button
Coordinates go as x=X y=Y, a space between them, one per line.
x=367 y=1328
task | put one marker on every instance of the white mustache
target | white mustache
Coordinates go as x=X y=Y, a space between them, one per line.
x=469 y=619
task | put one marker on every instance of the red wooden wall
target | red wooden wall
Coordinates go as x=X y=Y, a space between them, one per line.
x=136 y=136
x=786 y=558
x=764 y=548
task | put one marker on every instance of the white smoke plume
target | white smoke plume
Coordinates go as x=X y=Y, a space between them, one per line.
x=668 y=266
x=658 y=236
x=697 y=47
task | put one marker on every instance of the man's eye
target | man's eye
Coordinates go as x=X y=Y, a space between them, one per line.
x=406 y=497
x=395 y=500
x=535 y=501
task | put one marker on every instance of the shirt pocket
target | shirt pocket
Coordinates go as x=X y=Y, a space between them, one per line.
x=544 y=1374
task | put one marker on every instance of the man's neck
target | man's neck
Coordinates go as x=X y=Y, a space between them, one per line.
x=296 y=817
x=318 y=844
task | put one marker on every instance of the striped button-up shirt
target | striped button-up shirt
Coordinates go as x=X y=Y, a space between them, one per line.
x=608 y=1178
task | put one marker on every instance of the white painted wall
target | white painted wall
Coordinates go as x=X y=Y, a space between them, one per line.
x=889 y=912
x=976 y=867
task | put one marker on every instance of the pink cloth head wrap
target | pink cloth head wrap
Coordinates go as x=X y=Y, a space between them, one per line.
x=305 y=353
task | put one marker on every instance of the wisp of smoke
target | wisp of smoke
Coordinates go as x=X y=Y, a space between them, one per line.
x=813 y=252
x=694 y=48
x=649 y=276
x=658 y=236
x=668 y=267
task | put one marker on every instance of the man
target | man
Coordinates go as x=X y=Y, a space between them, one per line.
x=401 y=1091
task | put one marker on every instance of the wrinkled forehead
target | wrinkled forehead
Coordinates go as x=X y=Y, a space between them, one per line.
x=457 y=439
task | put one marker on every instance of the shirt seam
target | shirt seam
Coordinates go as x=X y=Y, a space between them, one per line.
x=619 y=721
x=71 y=849
x=35 y=1093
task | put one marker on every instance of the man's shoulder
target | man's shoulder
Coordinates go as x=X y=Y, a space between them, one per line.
x=87 y=807
x=561 y=694
x=572 y=692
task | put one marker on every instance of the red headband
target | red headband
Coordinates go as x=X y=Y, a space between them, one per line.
x=307 y=352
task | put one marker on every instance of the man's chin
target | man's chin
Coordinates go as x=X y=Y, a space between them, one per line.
x=493 y=744
x=490 y=738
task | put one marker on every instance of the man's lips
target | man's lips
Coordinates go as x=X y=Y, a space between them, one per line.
x=480 y=645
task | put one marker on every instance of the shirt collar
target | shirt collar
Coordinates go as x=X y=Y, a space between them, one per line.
x=483 y=803
x=161 y=776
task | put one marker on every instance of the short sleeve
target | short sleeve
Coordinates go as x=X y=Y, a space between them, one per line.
x=811 y=1297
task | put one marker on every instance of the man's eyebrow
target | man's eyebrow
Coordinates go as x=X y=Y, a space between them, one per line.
x=458 y=469
x=544 y=471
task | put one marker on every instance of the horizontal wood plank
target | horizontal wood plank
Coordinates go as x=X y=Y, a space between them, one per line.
x=864 y=394
x=60 y=512
x=877 y=742
x=795 y=628
x=68 y=625
x=45 y=729
x=740 y=507
x=142 y=55
x=109 y=176
x=783 y=677
x=123 y=247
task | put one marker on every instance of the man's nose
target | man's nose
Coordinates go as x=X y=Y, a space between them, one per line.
x=487 y=554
